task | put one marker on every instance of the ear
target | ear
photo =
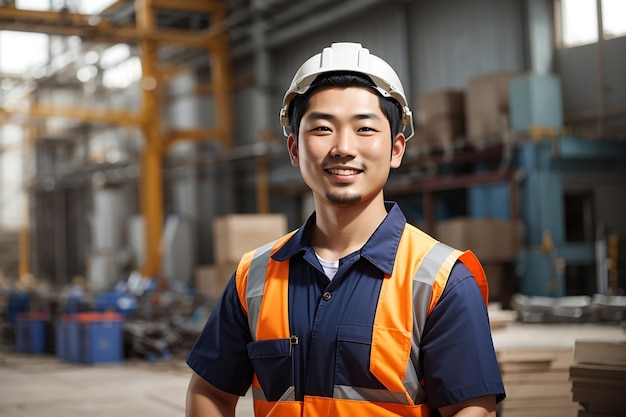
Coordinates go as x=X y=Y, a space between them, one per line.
x=397 y=150
x=292 y=146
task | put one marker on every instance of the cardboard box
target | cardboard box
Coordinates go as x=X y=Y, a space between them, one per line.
x=446 y=132
x=447 y=103
x=492 y=240
x=211 y=280
x=236 y=234
x=440 y=120
x=487 y=108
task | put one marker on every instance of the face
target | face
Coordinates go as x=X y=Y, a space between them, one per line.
x=344 y=150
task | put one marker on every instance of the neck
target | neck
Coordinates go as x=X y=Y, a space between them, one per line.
x=339 y=231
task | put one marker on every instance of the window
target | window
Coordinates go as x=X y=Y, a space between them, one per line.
x=76 y=6
x=614 y=18
x=578 y=21
x=14 y=59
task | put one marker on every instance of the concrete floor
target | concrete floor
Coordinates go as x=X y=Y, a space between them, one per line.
x=41 y=385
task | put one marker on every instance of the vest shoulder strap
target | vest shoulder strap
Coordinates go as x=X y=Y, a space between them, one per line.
x=251 y=274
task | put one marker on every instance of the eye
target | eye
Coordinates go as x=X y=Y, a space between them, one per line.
x=321 y=129
x=367 y=129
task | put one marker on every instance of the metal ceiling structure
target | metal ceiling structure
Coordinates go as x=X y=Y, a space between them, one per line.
x=143 y=27
x=205 y=36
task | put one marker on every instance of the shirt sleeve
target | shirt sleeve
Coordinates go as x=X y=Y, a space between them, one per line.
x=459 y=360
x=220 y=354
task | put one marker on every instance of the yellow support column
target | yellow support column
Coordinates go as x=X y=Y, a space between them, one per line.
x=220 y=80
x=24 y=250
x=24 y=231
x=151 y=175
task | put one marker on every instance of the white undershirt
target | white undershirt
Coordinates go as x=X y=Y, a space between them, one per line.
x=329 y=267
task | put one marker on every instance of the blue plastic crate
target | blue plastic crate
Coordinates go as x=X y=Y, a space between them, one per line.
x=64 y=343
x=18 y=302
x=30 y=333
x=101 y=338
x=71 y=333
x=60 y=343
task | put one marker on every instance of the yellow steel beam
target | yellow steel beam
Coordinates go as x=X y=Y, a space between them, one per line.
x=24 y=230
x=75 y=24
x=206 y=6
x=204 y=38
x=262 y=186
x=24 y=250
x=221 y=82
x=118 y=117
x=190 y=134
x=54 y=17
x=65 y=18
x=151 y=174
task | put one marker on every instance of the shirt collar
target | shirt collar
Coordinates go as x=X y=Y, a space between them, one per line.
x=380 y=249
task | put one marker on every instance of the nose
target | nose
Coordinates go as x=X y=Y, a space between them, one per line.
x=344 y=143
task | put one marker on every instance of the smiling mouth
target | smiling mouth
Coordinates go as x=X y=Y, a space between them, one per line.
x=337 y=171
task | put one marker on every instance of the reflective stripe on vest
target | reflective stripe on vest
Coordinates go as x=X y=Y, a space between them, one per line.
x=421 y=270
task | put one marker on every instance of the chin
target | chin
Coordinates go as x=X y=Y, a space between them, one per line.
x=343 y=200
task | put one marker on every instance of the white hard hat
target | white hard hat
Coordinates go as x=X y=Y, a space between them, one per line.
x=346 y=56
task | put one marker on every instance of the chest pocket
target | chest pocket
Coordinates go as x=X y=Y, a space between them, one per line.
x=352 y=360
x=273 y=365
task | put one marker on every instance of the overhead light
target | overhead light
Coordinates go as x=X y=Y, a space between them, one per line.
x=94 y=20
x=91 y=57
x=86 y=73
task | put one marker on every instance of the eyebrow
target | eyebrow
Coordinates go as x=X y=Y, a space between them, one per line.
x=326 y=116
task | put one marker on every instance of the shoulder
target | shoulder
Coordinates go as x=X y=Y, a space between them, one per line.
x=416 y=233
x=416 y=240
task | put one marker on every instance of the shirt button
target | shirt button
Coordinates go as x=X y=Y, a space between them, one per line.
x=326 y=296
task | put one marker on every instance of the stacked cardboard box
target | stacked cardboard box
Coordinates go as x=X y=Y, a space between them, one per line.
x=234 y=235
x=440 y=120
x=490 y=239
x=495 y=242
x=487 y=108
x=537 y=383
x=598 y=377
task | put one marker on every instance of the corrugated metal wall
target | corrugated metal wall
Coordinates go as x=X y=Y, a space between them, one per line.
x=432 y=45
x=578 y=68
x=453 y=41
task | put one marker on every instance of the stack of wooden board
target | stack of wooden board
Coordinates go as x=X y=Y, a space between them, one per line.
x=599 y=377
x=537 y=382
x=499 y=318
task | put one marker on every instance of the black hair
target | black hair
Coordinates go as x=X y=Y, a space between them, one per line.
x=343 y=79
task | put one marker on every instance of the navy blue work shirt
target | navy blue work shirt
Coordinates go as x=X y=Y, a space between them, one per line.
x=457 y=351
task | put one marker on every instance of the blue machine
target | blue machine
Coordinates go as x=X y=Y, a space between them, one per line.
x=542 y=209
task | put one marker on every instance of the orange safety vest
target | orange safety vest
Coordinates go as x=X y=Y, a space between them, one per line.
x=407 y=296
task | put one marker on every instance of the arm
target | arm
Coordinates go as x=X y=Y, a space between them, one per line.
x=475 y=407
x=220 y=348
x=459 y=360
x=203 y=399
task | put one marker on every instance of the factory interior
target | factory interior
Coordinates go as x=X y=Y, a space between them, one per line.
x=141 y=155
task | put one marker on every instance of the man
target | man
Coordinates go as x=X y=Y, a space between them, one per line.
x=356 y=313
